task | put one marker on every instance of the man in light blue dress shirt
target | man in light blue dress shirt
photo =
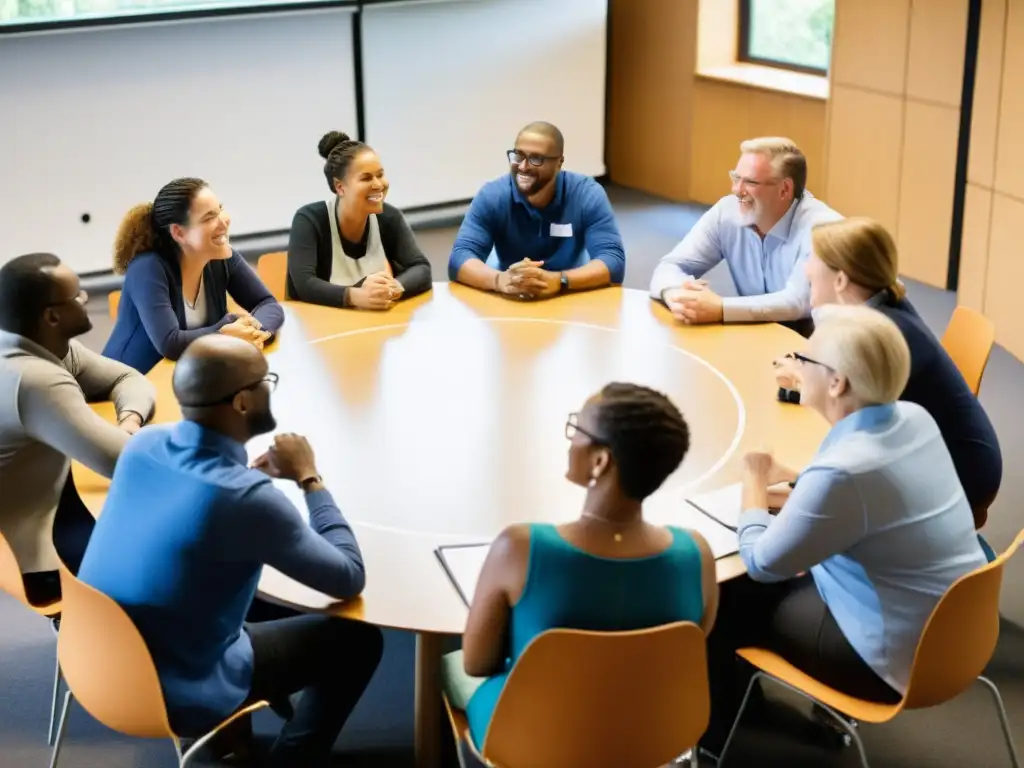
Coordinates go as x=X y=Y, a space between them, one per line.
x=762 y=231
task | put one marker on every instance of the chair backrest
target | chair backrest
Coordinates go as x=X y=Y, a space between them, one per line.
x=968 y=340
x=578 y=698
x=106 y=663
x=960 y=636
x=113 y=302
x=273 y=271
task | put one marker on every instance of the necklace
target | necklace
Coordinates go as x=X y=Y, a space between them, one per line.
x=617 y=535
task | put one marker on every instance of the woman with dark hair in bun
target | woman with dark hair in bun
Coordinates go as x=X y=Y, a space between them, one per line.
x=353 y=249
x=179 y=269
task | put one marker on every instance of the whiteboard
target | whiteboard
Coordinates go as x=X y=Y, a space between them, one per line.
x=96 y=120
x=449 y=84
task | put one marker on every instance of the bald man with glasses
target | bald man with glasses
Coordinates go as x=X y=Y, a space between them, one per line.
x=538 y=231
x=47 y=380
x=762 y=230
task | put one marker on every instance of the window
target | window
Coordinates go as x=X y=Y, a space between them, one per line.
x=792 y=34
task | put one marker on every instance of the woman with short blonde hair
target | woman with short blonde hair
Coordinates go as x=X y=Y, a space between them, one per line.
x=841 y=581
x=855 y=261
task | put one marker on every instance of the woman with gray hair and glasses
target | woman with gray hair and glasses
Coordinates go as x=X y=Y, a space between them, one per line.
x=842 y=580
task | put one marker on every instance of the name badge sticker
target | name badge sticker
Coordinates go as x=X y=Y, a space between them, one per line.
x=561 y=230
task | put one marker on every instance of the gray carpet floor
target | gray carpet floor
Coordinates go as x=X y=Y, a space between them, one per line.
x=964 y=732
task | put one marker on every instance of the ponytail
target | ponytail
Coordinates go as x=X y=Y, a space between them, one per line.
x=135 y=235
x=897 y=290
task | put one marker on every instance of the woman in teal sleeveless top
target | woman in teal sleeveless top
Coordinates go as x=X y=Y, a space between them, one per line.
x=607 y=571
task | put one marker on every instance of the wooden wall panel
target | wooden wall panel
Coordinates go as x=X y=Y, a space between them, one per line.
x=974 y=247
x=653 y=54
x=930 y=137
x=981 y=159
x=1009 y=176
x=938 y=36
x=864 y=154
x=1006 y=274
x=725 y=115
x=869 y=47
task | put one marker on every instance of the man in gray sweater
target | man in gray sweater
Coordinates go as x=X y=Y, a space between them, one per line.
x=47 y=381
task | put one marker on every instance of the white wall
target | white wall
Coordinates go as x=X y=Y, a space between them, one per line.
x=98 y=120
x=448 y=84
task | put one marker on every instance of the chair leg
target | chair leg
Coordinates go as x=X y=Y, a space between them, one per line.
x=1003 y=721
x=58 y=678
x=60 y=729
x=735 y=723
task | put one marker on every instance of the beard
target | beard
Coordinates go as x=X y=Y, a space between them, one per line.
x=260 y=422
x=534 y=185
x=749 y=213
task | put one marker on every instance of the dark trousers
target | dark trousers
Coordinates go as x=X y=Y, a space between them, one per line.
x=330 y=661
x=791 y=619
x=72 y=527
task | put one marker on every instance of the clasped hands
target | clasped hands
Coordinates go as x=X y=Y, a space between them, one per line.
x=694 y=303
x=526 y=280
x=379 y=291
x=289 y=458
x=247 y=328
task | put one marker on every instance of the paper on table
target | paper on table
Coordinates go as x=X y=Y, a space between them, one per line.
x=723 y=504
x=463 y=563
x=672 y=509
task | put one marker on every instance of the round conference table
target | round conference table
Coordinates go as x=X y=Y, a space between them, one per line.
x=442 y=420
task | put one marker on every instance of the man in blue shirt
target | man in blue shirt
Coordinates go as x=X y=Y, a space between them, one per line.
x=762 y=231
x=539 y=231
x=183 y=538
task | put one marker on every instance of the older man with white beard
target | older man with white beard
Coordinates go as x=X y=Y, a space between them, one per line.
x=762 y=231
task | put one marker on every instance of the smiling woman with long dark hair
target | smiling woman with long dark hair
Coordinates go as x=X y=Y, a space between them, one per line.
x=353 y=249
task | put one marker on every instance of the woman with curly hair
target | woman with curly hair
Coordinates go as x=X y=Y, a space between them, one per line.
x=179 y=269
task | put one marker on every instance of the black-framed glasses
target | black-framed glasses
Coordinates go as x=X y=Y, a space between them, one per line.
x=804 y=359
x=515 y=157
x=270 y=379
x=572 y=427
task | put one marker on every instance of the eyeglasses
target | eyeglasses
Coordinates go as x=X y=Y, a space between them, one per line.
x=572 y=427
x=515 y=157
x=271 y=379
x=804 y=359
x=735 y=178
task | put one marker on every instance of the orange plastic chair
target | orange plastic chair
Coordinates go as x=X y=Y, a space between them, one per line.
x=113 y=302
x=957 y=643
x=12 y=583
x=578 y=698
x=968 y=341
x=273 y=271
x=109 y=670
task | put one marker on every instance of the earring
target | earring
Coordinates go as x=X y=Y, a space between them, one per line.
x=593 y=480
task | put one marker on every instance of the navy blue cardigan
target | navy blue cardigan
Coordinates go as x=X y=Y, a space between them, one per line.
x=151 y=319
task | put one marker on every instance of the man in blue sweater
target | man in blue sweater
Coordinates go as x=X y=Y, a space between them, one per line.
x=539 y=231
x=184 y=535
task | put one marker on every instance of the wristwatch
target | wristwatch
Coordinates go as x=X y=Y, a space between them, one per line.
x=304 y=484
x=565 y=283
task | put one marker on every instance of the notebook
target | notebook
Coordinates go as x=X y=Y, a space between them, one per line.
x=463 y=563
x=722 y=505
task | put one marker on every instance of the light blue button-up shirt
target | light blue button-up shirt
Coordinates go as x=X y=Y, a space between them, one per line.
x=768 y=273
x=881 y=521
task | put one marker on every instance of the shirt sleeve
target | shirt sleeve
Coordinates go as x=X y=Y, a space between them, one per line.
x=698 y=252
x=322 y=554
x=824 y=515
x=103 y=379
x=53 y=410
x=246 y=288
x=791 y=303
x=601 y=235
x=409 y=265
x=303 y=245
x=476 y=235
x=148 y=285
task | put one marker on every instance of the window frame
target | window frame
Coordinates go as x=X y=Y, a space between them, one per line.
x=743 y=47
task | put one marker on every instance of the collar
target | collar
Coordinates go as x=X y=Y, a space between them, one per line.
x=866 y=418
x=556 y=201
x=14 y=341
x=783 y=226
x=878 y=300
x=192 y=435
